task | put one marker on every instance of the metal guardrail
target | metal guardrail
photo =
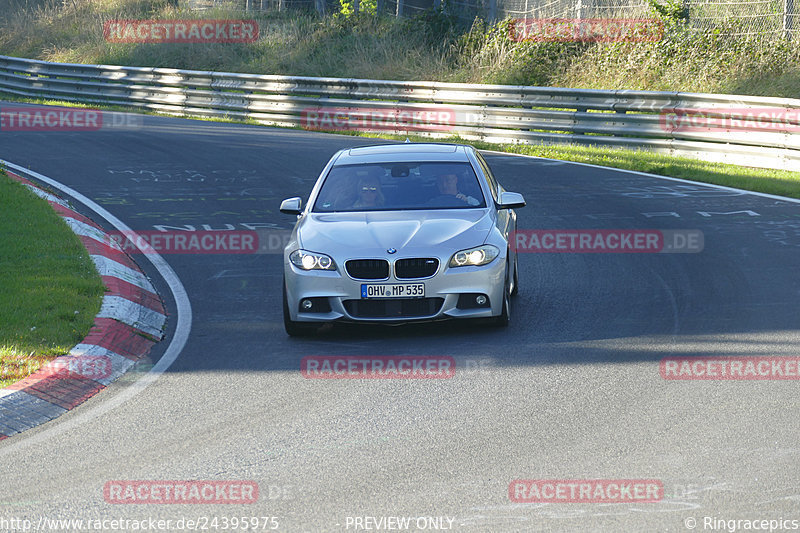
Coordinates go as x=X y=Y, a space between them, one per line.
x=744 y=130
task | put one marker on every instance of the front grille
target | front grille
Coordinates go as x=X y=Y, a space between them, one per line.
x=368 y=268
x=394 y=308
x=420 y=267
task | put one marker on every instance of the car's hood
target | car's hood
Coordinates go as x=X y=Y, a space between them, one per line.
x=430 y=233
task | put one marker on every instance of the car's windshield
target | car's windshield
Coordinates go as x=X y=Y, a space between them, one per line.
x=400 y=186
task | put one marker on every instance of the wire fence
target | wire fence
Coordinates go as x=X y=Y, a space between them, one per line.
x=773 y=18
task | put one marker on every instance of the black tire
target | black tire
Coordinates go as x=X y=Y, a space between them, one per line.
x=515 y=288
x=502 y=320
x=295 y=329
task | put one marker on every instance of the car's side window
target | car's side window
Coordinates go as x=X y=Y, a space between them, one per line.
x=493 y=185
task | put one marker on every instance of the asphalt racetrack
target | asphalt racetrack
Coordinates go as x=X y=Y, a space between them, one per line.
x=571 y=390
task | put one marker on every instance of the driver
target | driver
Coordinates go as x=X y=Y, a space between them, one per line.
x=448 y=186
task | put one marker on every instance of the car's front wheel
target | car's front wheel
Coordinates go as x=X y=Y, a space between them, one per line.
x=292 y=327
x=515 y=287
x=505 y=315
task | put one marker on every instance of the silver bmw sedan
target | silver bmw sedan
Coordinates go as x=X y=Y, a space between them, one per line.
x=401 y=233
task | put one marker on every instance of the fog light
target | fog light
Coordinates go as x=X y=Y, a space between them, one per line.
x=306 y=304
x=480 y=300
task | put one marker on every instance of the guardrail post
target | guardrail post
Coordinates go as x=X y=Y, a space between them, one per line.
x=619 y=112
x=399 y=12
x=524 y=120
x=579 y=110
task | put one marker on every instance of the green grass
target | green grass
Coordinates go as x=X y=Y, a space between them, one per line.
x=50 y=291
x=429 y=47
x=778 y=182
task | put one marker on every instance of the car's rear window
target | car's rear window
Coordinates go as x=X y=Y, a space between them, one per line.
x=396 y=186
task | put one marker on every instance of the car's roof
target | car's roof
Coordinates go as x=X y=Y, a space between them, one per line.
x=404 y=152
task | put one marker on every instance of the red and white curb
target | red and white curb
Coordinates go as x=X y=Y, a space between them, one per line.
x=130 y=322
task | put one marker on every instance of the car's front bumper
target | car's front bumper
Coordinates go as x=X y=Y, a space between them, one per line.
x=340 y=295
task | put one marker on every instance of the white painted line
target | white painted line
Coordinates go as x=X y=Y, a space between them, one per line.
x=85 y=230
x=91 y=349
x=47 y=196
x=119 y=364
x=133 y=314
x=182 y=329
x=109 y=267
x=646 y=174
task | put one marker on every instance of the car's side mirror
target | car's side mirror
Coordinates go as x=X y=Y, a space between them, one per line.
x=510 y=200
x=292 y=206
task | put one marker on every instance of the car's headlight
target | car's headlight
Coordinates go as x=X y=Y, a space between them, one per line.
x=311 y=260
x=480 y=255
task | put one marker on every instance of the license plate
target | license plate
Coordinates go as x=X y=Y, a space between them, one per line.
x=397 y=290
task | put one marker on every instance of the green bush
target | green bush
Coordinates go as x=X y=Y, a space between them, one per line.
x=347 y=7
x=433 y=46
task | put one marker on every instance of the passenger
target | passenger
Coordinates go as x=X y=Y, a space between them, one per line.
x=369 y=193
x=448 y=186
